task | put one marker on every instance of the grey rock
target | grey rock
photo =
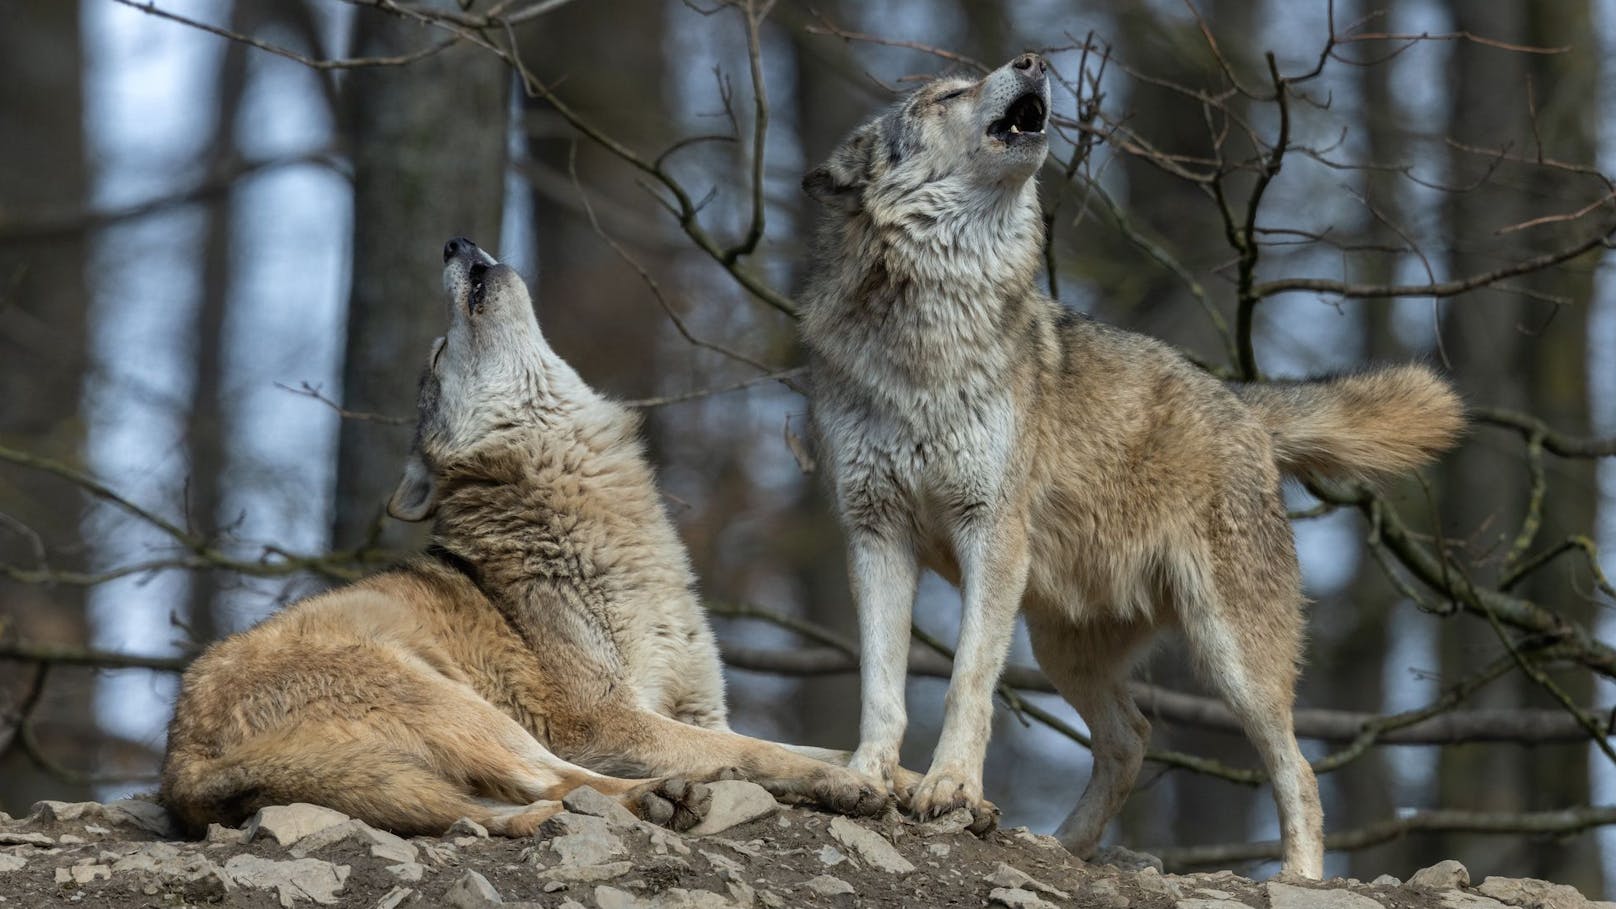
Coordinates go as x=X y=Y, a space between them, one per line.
x=467 y=827
x=1444 y=875
x=1107 y=893
x=1006 y=875
x=1125 y=858
x=1205 y=902
x=1386 y=880
x=138 y=813
x=1290 y=896
x=409 y=872
x=1531 y=893
x=588 y=800
x=580 y=839
x=1017 y=898
x=381 y=844
x=166 y=862
x=554 y=886
x=1042 y=840
x=292 y=880
x=825 y=885
x=472 y=891
x=394 y=897
x=218 y=833
x=742 y=893
x=696 y=899
x=143 y=814
x=949 y=824
x=286 y=824
x=869 y=846
x=10 y=863
x=830 y=856
x=664 y=841
x=941 y=850
x=83 y=874
x=588 y=874
x=145 y=857
x=1152 y=881
x=613 y=898
x=1459 y=899
x=13 y=838
x=727 y=867
x=388 y=846
x=734 y=802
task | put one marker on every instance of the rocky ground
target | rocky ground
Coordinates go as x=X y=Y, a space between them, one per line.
x=749 y=852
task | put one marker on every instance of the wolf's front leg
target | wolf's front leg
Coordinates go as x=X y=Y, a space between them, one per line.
x=993 y=562
x=885 y=571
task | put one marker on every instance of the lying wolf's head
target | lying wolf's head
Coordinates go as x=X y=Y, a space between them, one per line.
x=491 y=375
x=954 y=135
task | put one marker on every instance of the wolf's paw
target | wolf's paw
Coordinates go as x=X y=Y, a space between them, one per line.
x=944 y=790
x=674 y=803
x=837 y=790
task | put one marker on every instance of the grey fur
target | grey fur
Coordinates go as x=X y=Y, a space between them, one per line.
x=1090 y=477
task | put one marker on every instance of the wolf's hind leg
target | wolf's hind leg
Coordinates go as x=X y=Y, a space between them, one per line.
x=1089 y=666
x=1253 y=663
x=492 y=754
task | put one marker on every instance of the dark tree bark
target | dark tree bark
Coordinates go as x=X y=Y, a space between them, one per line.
x=205 y=428
x=1513 y=352
x=44 y=297
x=429 y=154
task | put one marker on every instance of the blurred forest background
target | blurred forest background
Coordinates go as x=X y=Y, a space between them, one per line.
x=220 y=226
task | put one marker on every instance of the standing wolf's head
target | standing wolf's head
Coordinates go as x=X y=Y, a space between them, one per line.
x=493 y=374
x=952 y=139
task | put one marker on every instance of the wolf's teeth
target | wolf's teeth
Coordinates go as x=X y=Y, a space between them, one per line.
x=1014 y=129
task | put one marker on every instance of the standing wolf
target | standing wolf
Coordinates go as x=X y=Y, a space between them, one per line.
x=550 y=635
x=1091 y=477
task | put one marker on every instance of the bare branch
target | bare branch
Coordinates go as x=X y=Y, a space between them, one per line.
x=1564 y=822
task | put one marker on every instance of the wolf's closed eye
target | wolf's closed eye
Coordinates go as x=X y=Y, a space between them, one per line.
x=951 y=95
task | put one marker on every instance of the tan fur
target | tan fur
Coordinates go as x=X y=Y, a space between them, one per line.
x=550 y=638
x=1362 y=426
x=1091 y=478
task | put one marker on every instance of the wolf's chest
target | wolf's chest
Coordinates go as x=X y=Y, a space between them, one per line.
x=937 y=449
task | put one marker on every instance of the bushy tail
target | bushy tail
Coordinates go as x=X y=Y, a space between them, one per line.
x=1359 y=426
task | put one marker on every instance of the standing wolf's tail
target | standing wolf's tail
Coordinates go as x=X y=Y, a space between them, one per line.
x=1359 y=426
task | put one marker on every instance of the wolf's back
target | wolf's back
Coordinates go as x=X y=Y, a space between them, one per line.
x=1359 y=426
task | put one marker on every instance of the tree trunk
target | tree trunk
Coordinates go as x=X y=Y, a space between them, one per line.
x=43 y=353
x=429 y=155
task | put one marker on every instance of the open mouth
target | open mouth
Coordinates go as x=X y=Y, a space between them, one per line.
x=1023 y=118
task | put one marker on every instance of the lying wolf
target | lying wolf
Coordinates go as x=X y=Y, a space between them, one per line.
x=548 y=639
x=1091 y=477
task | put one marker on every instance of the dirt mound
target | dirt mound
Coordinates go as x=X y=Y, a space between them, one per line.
x=596 y=856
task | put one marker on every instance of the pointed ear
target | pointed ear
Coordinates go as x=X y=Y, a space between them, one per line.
x=416 y=497
x=840 y=181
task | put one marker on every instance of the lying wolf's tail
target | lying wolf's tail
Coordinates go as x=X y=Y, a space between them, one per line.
x=1359 y=426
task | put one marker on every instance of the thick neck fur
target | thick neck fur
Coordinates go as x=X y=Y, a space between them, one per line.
x=564 y=527
x=929 y=280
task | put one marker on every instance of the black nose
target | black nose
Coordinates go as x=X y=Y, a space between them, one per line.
x=1031 y=64
x=459 y=246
